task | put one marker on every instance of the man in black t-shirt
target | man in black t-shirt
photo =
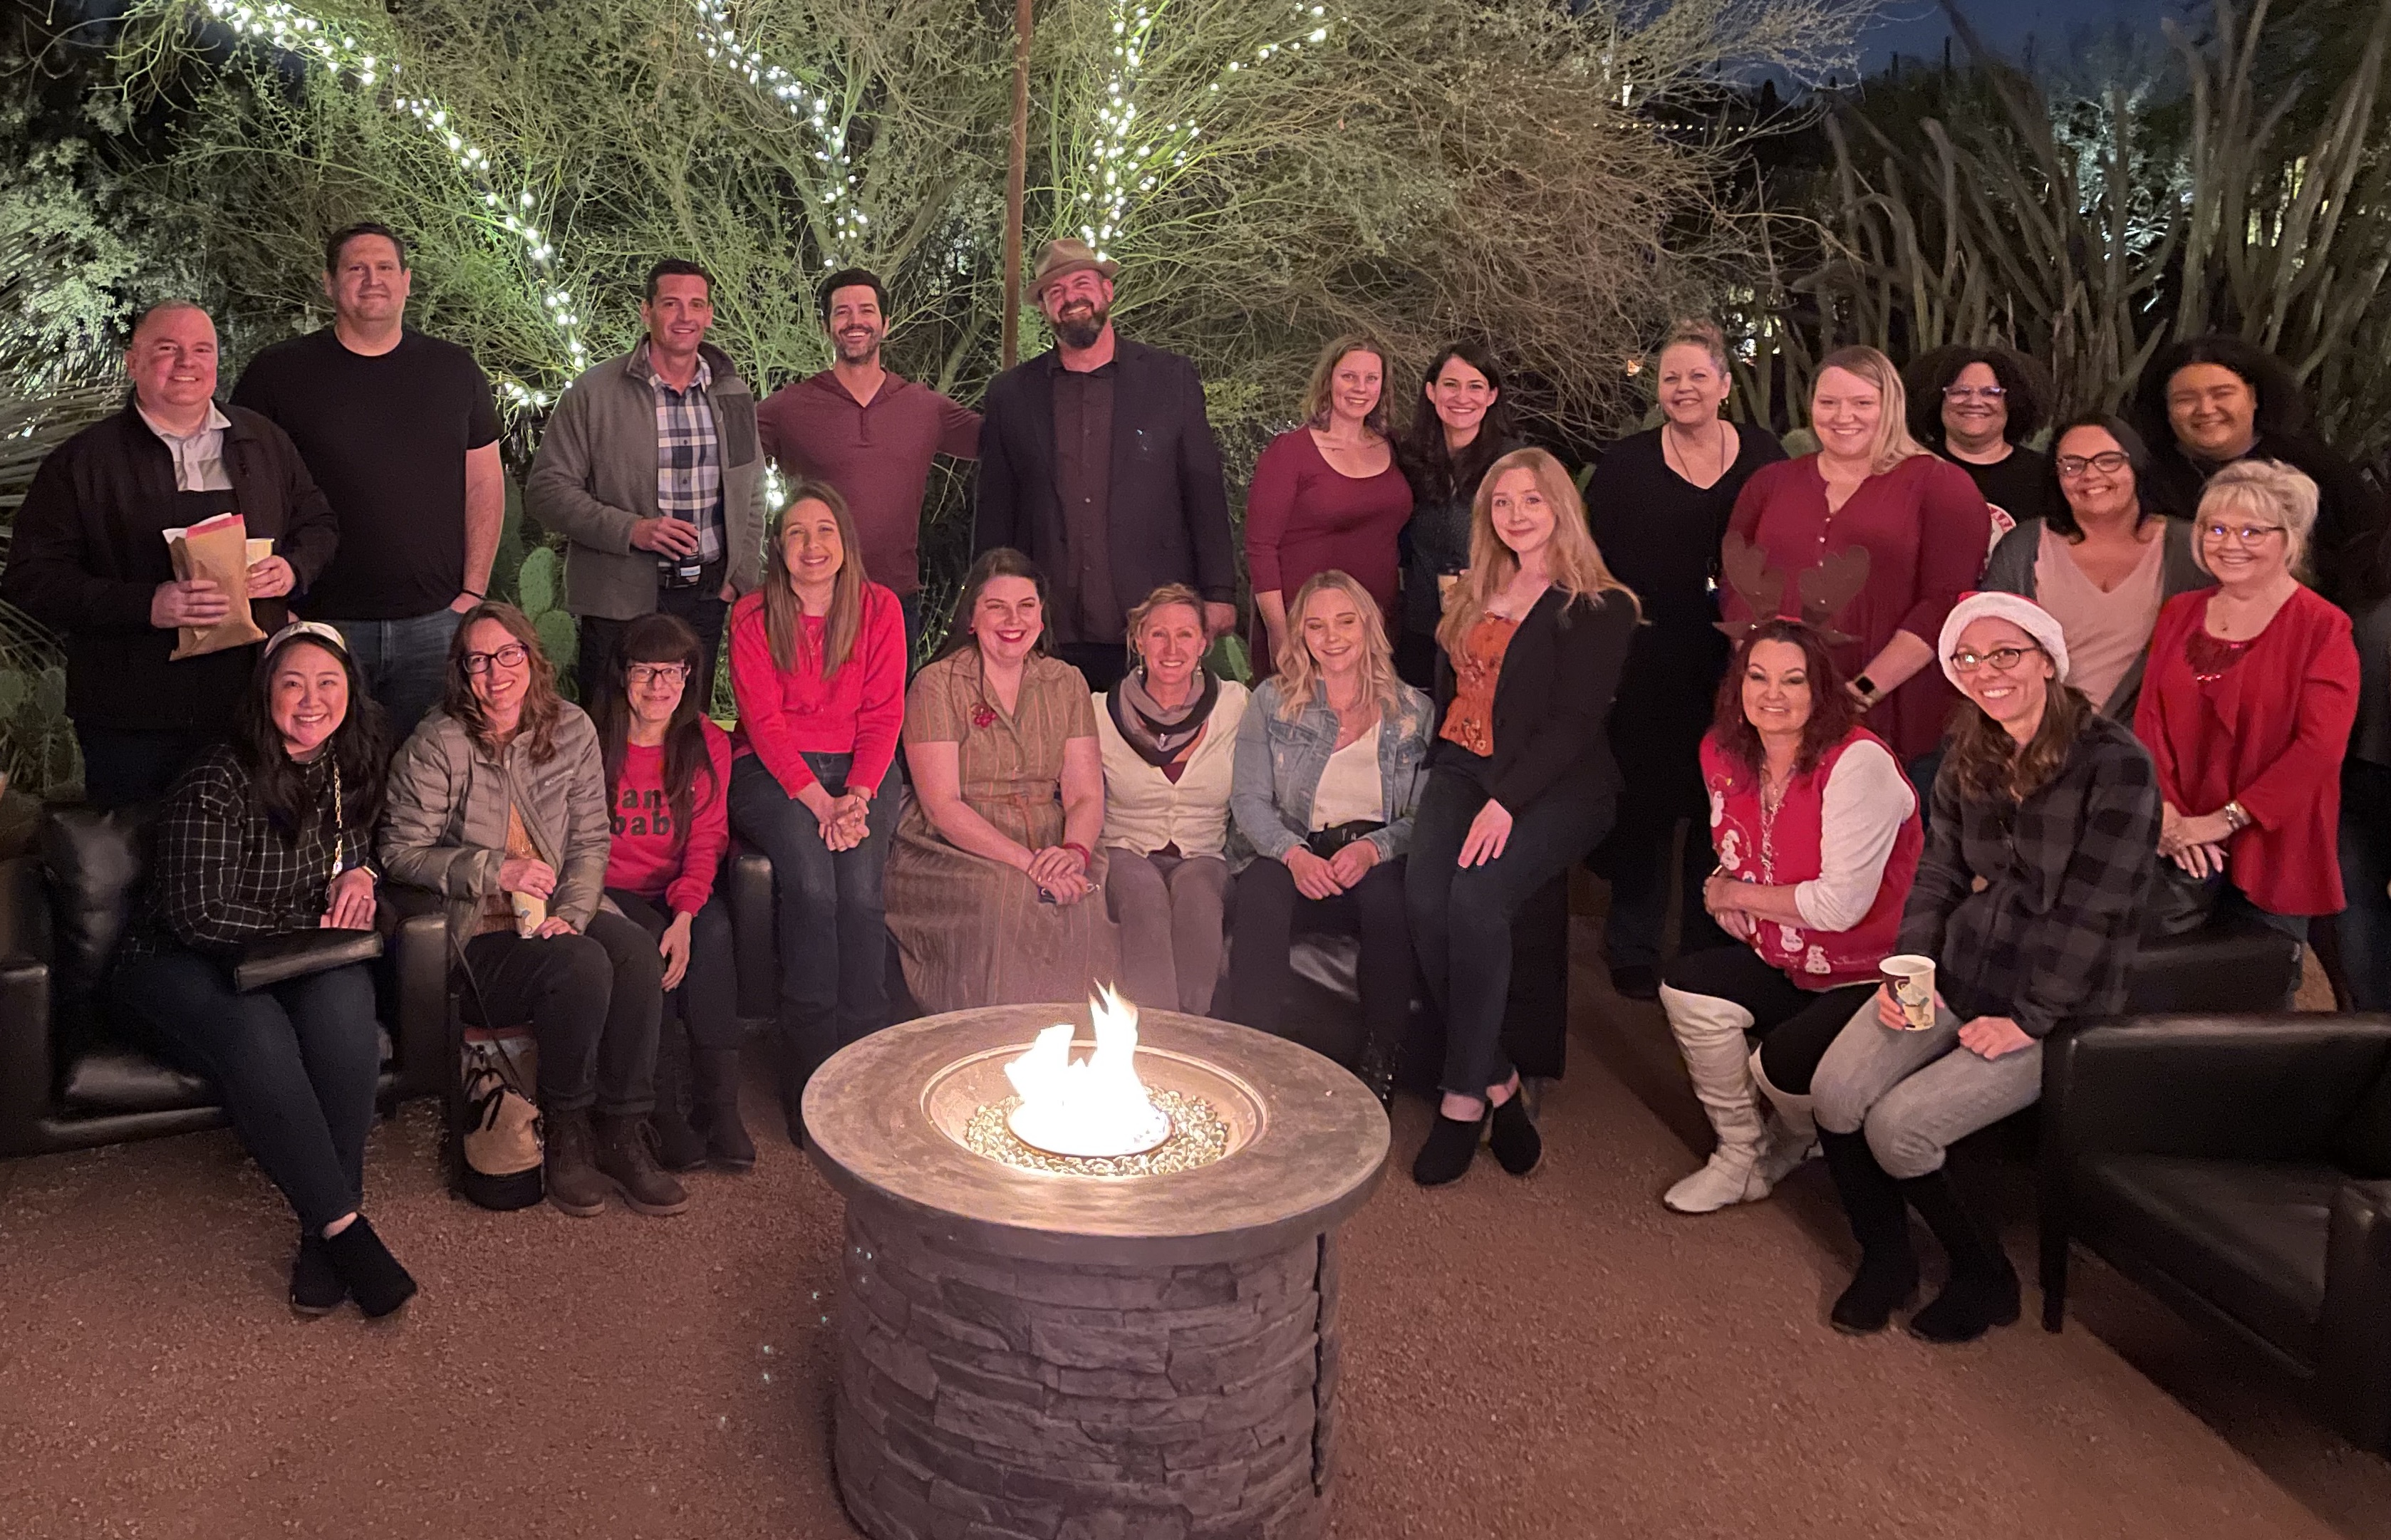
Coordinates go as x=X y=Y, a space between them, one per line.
x=401 y=432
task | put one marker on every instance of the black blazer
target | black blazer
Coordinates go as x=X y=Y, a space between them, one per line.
x=1169 y=511
x=1552 y=701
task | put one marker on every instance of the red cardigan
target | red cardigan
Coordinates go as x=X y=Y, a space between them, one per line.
x=2268 y=733
x=858 y=711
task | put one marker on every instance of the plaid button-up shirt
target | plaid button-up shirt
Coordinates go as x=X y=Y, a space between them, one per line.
x=2067 y=875
x=688 y=459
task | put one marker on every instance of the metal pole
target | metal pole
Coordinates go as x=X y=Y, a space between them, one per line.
x=1016 y=179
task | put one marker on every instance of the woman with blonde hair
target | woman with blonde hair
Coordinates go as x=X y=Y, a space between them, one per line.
x=1328 y=494
x=1520 y=784
x=1875 y=513
x=1327 y=772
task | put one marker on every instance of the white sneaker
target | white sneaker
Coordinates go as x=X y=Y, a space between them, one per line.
x=1732 y=1177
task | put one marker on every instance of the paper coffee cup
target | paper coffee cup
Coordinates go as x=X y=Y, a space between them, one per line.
x=1910 y=978
x=531 y=913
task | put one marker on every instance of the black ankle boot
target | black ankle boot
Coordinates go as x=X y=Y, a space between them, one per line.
x=376 y=1280
x=1983 y=1290
x=727 y=1144
x=316 y=1286
x=678 y=1146
x=1514 y=1140
x=1451 y=1145
x=804 y=1043
x=1879 y=1219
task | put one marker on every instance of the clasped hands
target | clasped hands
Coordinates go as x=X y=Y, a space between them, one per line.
x=1059 y=872
x=845 y=820
x=1719 y=896
x=2195 y=844
x=1324 y=877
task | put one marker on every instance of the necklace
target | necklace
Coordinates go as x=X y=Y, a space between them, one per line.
x=1683 y=466
x=1772 y=800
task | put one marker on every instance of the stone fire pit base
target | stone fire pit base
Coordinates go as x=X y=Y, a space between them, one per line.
x=992 y=1397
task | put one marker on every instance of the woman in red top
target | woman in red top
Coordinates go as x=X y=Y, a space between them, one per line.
x=2247 y=702
x=667 y=785
x=817 y=665
x=1917 y=519
x=1329 y=495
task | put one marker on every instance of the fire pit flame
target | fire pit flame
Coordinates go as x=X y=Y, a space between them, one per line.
x=1092 y=1109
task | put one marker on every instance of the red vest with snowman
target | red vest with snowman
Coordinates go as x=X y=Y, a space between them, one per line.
x=1782 y=849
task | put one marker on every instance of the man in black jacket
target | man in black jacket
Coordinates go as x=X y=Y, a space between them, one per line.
x=1096 y=459
x=89 y=557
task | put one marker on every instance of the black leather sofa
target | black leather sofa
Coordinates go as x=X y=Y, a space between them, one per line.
x=2238 y=1167
x=68 y=1080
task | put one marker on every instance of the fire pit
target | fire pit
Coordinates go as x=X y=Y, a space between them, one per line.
x=1120 y=1323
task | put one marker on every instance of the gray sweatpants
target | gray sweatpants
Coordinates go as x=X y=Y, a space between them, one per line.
x=1916 y=1093
x=1170 y=911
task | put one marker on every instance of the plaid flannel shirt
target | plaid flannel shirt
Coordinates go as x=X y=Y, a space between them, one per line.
x=2067 y=875
x=221 y=875
x=689 y=457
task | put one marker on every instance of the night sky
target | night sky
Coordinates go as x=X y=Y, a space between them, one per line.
x=1915 y=28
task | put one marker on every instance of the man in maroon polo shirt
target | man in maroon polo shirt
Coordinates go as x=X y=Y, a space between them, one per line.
x=868 y=432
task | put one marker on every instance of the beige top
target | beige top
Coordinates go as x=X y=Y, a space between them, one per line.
x=1350 y=789
x=1146 y=810
x=2105 y=630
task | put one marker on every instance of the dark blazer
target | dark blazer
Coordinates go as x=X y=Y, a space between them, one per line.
x=1552 y=701
x=1169 y=511
x=89 y=552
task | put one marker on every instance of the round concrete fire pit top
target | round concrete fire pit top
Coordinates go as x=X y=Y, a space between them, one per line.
x=1306 y=1141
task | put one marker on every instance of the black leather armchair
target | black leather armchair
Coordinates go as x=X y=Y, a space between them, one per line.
x=68 y=1080
x=2239 y=1167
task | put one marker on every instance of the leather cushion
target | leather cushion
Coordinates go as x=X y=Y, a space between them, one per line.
x=113 y=1078
x=95 y=862
x=2363 y=1146
x=2232 y=964
x=2247 y=1236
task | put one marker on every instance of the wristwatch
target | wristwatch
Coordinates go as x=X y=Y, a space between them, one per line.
x=1867 y=687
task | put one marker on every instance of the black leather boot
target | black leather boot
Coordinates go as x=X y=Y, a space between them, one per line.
x=678 y=1146
x=1983 y=1290
x=1879 y=1219
x=716 y=1112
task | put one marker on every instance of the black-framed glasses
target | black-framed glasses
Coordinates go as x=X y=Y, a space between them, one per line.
x=2002 y=659
x=2108 y=463
x=658 y=673
x=510 y=655
x=2245 y=534
x=1975 y=392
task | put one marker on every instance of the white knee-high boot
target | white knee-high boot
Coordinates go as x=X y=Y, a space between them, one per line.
x=1710 y=1034
x=1792 y=1133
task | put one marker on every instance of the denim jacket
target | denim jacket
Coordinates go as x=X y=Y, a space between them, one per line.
x=1280 y=760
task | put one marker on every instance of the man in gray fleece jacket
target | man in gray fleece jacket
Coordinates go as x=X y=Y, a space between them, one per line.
x=650 y=467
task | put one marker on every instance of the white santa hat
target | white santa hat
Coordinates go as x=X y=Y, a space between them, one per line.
x=2016 y=609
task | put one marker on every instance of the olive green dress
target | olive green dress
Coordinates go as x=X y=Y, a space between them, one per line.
x=971 y=930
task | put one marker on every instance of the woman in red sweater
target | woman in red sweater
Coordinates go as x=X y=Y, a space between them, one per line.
x=817 y=664
x=667 y=789
x=1329 y=495
x=2247 y=702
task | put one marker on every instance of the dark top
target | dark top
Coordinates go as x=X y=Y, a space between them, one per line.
x=2350 y=517
x=89 y=552
x=1435 y=541
x=386 y=438
x=2066 y=874
x=876 y=453
x=2019 y=484
x=1167 y=513
x=1552 y=701
x=1086 y=608
x=1659 y=534
x=1304 y=516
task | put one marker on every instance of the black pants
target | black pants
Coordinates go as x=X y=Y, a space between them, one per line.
x=1461 y=917
x=1635 y=860
x=295 y=1064
x=122 y=766
x=1102 y=662
x=701 y=605
x=594 y=1002
x=1795 y=1026
x=707 y=1001
x=1270 y=910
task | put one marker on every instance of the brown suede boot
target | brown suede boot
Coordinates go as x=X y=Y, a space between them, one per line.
x=625 y=1160
x=716 y=1114
x=568 y=1162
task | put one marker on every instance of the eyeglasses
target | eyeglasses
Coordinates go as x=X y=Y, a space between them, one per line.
x=1992 y=393
x=656 y=674
x=510 y=655
x=2002 y=659
x=2247 y=534
x=2108 y=463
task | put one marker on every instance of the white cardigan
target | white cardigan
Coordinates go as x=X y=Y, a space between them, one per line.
x=1143 y=810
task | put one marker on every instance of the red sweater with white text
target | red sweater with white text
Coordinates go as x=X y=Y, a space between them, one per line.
x=650 y=857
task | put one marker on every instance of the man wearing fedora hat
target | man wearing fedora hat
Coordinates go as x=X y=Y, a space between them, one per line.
x=1096 y=459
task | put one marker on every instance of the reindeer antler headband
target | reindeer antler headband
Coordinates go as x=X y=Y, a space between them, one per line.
x=1819 y=593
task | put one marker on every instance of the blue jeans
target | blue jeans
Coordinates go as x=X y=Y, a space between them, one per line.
x=830 y=922
x=706 y=999
x=295 y=1064
x=2364 y=927
x=404 y=663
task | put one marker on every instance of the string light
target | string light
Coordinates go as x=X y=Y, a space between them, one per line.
x=810 y=105
x=284 y=27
